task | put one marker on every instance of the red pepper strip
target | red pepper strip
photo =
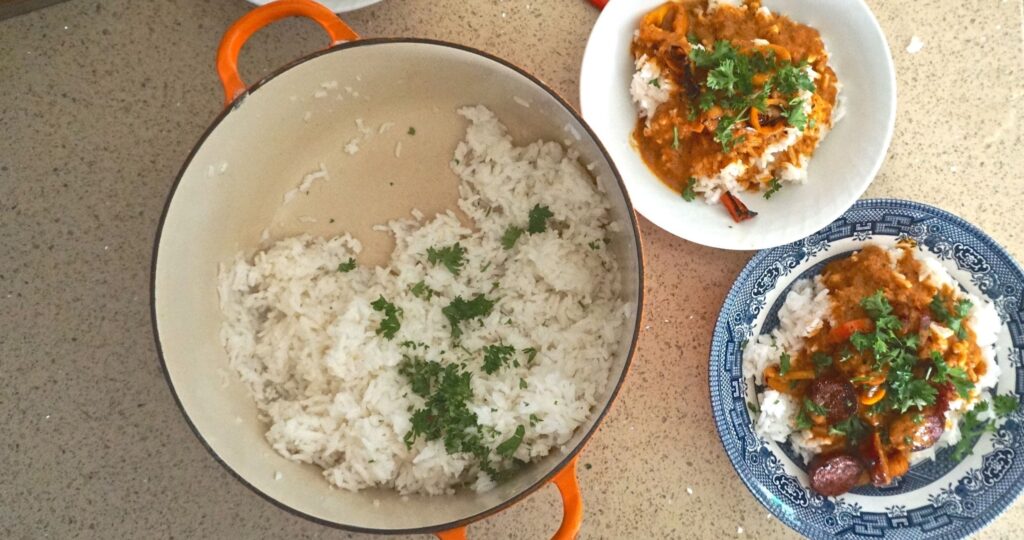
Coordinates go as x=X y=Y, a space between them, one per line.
x=737 y=210
x=843 y=332
x=599 y=4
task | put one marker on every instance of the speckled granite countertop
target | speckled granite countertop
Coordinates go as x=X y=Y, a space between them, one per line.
x=102 y=101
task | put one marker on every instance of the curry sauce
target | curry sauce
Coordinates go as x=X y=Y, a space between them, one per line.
x=875 y=381
x=744 y=86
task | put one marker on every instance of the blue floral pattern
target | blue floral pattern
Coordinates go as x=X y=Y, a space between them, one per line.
x=940 y=498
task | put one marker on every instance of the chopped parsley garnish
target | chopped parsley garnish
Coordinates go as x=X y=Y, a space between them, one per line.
x=971 y=429
x=1005 y=404
x=655 y=82
x=898 y=353
x=446 y=414
x=814 y=408
x=802 y=420
x=347 y=266
x=420 y=290
x=821 y=361
x=412 y=130
x=852 y=428
x=790 y=79
x=460 y=310
x=390 y=324
x=688 y=192
x=453 y=257
x=954 y=320
x=784 y=364
x=539 y=216
x=595 y=245
x=956 y=376
x=512 y=234
x=522 y=384
x=531 y=355
x=773 y=187
x=753 y=408
x=422 y=374
x=509 y=447
x=730 y=85
x=795 y=115
x=534 y=420
x=496 y=357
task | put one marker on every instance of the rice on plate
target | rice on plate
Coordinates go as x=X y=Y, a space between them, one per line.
x=873 y=367
x=476 y=350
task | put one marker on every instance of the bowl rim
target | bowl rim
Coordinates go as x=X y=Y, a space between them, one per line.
x=618 y=383
x=971 y=526
x=685 y=229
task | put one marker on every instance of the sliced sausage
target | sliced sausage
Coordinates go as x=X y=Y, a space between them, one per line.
x=834 y=474
x=835 y=394
x=916 y=430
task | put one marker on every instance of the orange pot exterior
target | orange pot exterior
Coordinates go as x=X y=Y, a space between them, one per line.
x=240 y=32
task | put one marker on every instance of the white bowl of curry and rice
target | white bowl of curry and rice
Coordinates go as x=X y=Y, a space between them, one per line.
x=741 y=124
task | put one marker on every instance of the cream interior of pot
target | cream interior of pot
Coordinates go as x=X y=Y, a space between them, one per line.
x=232 y=191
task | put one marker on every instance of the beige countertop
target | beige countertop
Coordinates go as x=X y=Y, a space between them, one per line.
x=100 y=103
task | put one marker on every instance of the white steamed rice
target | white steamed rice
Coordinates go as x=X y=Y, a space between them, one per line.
x=804 y=311
x=302 y=336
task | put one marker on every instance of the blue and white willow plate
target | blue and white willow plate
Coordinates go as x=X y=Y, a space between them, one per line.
x=937 y=499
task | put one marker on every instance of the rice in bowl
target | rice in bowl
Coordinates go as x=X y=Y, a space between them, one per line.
x=504 y=329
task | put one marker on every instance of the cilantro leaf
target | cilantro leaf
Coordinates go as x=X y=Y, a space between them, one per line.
x=971 y=429
x=422 y=374
x=420 y=290
x=539 y=216
x=955 y=319
x=453 y=257
x=688 y=192
x=784 y=363
x=459 y=310
x=773 y=187
x=347 y=266
x=723 y=77
x=912 y=393
x=1005 y=404
x=814 y=408
x=390 y=324
x=821 y=361
x=795 y=115
x=507 y=448
x=790 y=79
x=802 y=420
x=877 y=305
x=852 y=428
x=956 y=376
x=511 y=236
x=496 y=357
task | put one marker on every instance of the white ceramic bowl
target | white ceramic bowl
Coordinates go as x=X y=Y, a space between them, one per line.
x=839 y=171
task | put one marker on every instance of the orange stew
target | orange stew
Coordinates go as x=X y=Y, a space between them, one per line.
x=736 y=79
x=874 y=384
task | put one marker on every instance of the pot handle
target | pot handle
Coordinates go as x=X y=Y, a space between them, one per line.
x=240 y=32
x=572 y=506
